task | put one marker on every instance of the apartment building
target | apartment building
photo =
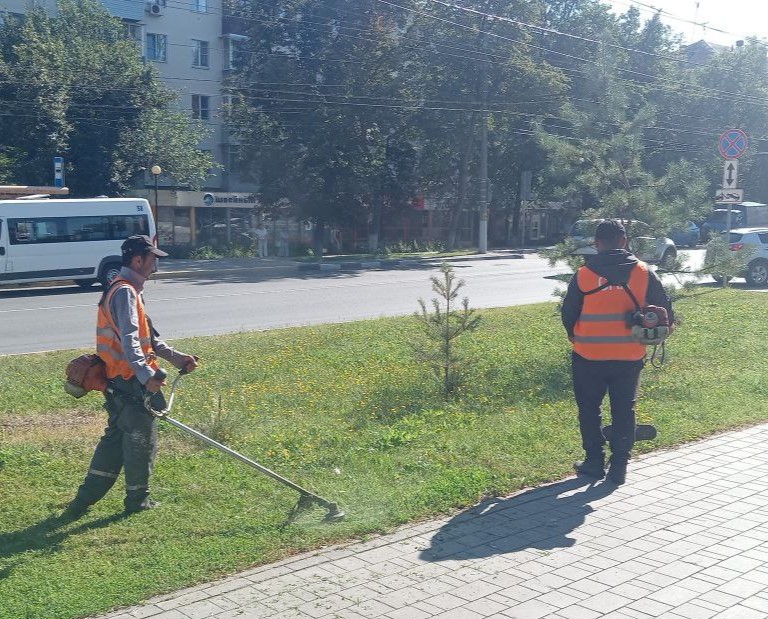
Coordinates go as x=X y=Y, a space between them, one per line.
x=193 y=45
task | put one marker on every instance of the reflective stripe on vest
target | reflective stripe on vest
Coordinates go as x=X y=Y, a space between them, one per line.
x=108 y=345
x=601 y=332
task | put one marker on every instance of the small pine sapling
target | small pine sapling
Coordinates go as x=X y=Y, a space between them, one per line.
x=443 y=326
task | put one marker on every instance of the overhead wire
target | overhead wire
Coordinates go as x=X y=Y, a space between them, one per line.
x=716 y=93
x=444 y=108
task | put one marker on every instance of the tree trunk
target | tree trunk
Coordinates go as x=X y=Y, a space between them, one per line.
x=318 y=237
x=375 y=226
x=463 y=188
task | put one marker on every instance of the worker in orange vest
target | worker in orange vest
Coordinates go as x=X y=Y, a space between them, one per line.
x=129 y=347
x=606 y=357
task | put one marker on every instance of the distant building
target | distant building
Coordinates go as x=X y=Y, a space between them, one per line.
x=194 y=45
x=700 y=52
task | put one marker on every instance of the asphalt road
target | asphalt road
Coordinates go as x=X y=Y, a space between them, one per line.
x=43 y=319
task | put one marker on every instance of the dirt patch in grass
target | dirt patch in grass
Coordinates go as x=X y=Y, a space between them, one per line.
x=51 y=427
x=73 y=426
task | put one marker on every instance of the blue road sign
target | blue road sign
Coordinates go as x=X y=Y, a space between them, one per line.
x=58 y=171
x=733 y=143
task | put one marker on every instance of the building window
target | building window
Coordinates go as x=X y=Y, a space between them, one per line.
x=200 y=54
x=234 y=163
x=200 y=6
x=233 y=50
x=201 y=107
x=157 y=46
x=133 y=31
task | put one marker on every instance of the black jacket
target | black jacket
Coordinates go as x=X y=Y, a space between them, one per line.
x=614 y=265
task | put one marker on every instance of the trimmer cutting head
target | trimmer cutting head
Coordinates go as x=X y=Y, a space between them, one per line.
x=307 y=501
x=334 y=514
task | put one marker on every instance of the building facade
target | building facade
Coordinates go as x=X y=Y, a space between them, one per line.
x=193 y=51
x=193 y=47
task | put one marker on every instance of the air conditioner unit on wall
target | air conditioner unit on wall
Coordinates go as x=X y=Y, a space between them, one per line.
x=154 y=7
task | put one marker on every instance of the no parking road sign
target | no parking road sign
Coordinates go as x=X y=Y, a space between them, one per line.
x=733 y=143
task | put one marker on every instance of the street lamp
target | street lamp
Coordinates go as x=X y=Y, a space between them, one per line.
x=156 y=172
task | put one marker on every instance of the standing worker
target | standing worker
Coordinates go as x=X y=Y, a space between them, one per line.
x=261 y=238
x=127 y=344
x=606 y=357
x=282 y=247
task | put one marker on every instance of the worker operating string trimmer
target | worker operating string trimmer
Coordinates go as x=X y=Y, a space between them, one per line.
x=125 y=369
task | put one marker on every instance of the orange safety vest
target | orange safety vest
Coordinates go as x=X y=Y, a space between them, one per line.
x=108 y=345
x=601 y=332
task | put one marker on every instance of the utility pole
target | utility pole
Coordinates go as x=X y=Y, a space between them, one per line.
x=482 y=245
x=483 y=231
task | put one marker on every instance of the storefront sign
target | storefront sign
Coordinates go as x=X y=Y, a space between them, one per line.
x=207 y=199
x=242 y=200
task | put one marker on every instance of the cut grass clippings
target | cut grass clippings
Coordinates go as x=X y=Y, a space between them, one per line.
x=345 y=411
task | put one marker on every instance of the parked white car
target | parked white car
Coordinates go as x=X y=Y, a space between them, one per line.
x=649 y=248
x=756 y=241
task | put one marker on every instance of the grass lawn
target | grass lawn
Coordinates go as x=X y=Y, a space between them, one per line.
x=345 y=411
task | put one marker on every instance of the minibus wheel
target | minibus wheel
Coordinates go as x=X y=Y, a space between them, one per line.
x=110 y=271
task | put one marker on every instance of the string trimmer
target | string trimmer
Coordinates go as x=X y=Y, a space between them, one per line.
x=306 y=498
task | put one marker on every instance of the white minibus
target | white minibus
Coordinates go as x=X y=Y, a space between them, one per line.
x=75 y=240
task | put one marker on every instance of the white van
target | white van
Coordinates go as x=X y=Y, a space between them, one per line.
x=75 y=240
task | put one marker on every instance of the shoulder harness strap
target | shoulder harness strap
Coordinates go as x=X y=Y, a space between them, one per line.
x=623 y=285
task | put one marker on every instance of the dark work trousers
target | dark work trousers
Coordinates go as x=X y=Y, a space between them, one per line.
x=129 y=441
x=591 y=381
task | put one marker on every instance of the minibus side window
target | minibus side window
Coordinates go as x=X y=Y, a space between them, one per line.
x=88 y=228
x=51 y=231
x=21 y=231
x=124 y=226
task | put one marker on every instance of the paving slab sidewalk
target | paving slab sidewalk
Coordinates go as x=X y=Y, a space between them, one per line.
x=685 y=537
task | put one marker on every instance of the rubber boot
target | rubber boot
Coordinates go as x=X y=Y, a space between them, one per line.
x=75 y=510
x=617 y=469
x=592 y=466
x=145 y=505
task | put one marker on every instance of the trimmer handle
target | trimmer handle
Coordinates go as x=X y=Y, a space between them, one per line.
x=184 y=370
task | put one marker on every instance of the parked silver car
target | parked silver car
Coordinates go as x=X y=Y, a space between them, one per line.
x=649 y=248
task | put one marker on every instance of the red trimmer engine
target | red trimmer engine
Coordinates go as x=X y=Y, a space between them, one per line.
x=650 y=325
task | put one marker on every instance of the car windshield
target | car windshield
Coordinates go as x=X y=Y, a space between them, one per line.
x=735 y=237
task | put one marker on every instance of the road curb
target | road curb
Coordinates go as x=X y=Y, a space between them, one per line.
x=167 y=274
x=356 y=265
x=404 y=263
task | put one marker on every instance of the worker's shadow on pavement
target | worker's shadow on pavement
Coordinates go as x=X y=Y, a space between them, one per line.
x=45 y=537
x=540 y=518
